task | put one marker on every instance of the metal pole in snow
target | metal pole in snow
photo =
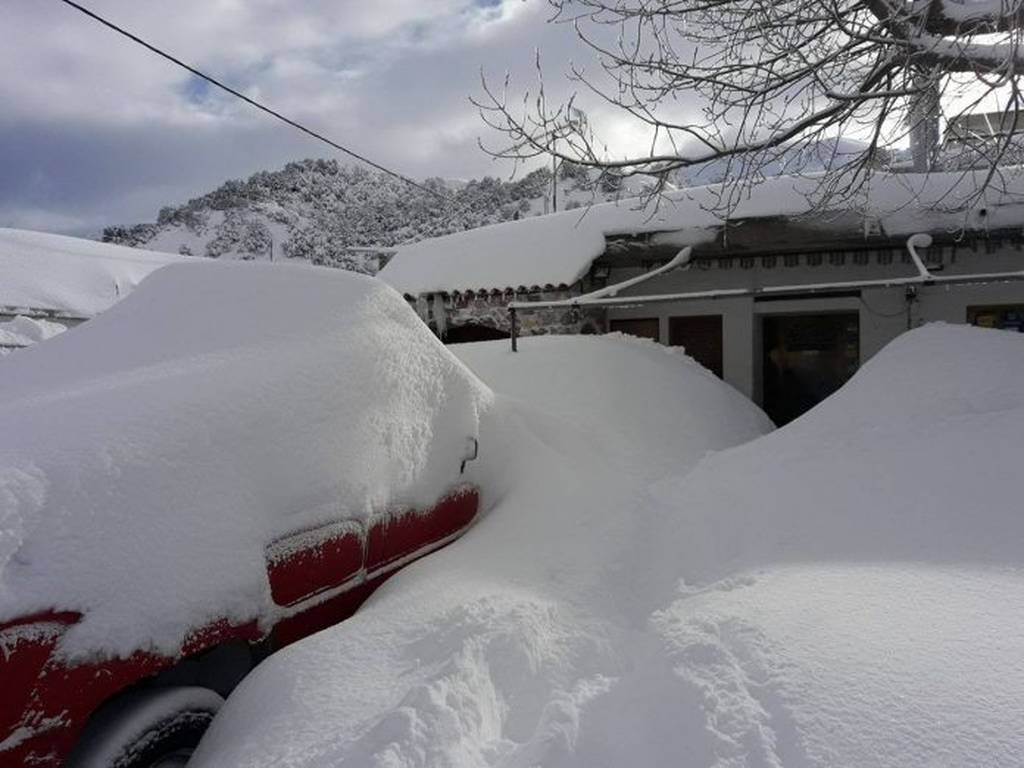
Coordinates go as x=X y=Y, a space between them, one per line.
x=910 y=296
x=514 y=322
x=554 y=184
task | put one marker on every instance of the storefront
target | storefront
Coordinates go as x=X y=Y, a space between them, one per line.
x=790 y=351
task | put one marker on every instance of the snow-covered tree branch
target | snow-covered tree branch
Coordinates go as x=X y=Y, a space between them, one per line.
x=755 y=86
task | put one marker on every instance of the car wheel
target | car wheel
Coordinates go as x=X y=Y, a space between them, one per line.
x=156 y=728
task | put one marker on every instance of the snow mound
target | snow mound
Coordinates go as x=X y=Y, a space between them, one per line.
x=912 y=460
x=840 y=592
x=147 y=458
x=847 y=580
x=622 y=392
x=489 y=650
x=69 y=275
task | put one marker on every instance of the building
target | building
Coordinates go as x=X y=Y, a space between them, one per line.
x=461 y=284
x=784 y=301
x=982 y=125
x=49 y=283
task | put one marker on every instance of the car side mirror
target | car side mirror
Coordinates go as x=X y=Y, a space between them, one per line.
x=472 y=451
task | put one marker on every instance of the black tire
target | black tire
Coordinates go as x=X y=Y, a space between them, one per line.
x=145 y=729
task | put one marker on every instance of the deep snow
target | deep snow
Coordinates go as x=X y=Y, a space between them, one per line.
x=148 y=457
x=488 y=651
x=845 y=591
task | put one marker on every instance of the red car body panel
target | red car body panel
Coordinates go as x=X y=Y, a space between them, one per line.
x=317 y=579
x=394 y=538
x=298 y=572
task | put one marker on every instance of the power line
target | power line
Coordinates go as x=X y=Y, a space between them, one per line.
x=253 y=102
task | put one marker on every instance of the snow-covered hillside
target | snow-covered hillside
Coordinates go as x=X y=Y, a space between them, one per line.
x=841 y=592
x=318 y=210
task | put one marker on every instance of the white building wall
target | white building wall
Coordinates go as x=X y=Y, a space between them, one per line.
x=882 y=312
x=950 y=304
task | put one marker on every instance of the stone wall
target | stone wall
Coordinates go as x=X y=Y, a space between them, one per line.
x=443 y=312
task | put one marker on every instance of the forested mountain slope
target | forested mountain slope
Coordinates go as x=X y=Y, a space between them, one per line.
x=319 y=210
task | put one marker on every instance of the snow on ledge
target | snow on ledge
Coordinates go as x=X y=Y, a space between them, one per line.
x=558 y=249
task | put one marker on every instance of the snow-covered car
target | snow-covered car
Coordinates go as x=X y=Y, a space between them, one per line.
x=658 y=584
x=229 y=460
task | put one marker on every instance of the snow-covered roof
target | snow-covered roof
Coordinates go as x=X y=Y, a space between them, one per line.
x=558 y=249
x=148 y=456
x=68 y=275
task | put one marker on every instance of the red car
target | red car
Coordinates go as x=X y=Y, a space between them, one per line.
x=318 y=578
x=134 y=469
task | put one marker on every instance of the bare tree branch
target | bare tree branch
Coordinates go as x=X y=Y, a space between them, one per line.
x=769 y=80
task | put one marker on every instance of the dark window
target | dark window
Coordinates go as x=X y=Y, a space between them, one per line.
x=645 y=327
x=461 y=334
x=806 y=359
x=701 y=337
x=1008 y=317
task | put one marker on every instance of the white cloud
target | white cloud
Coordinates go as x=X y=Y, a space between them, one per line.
x=107 y=126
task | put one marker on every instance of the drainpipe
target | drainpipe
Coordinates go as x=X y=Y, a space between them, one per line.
x=920 y=240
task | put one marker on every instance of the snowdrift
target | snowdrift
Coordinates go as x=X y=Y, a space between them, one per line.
x=911 y=460
x=68 y=275
x=841 y=592
x=488 y=649
x=852 y=583
x=147 y=458
x=622 y=393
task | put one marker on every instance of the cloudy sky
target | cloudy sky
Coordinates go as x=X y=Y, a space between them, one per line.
x=95 y=130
